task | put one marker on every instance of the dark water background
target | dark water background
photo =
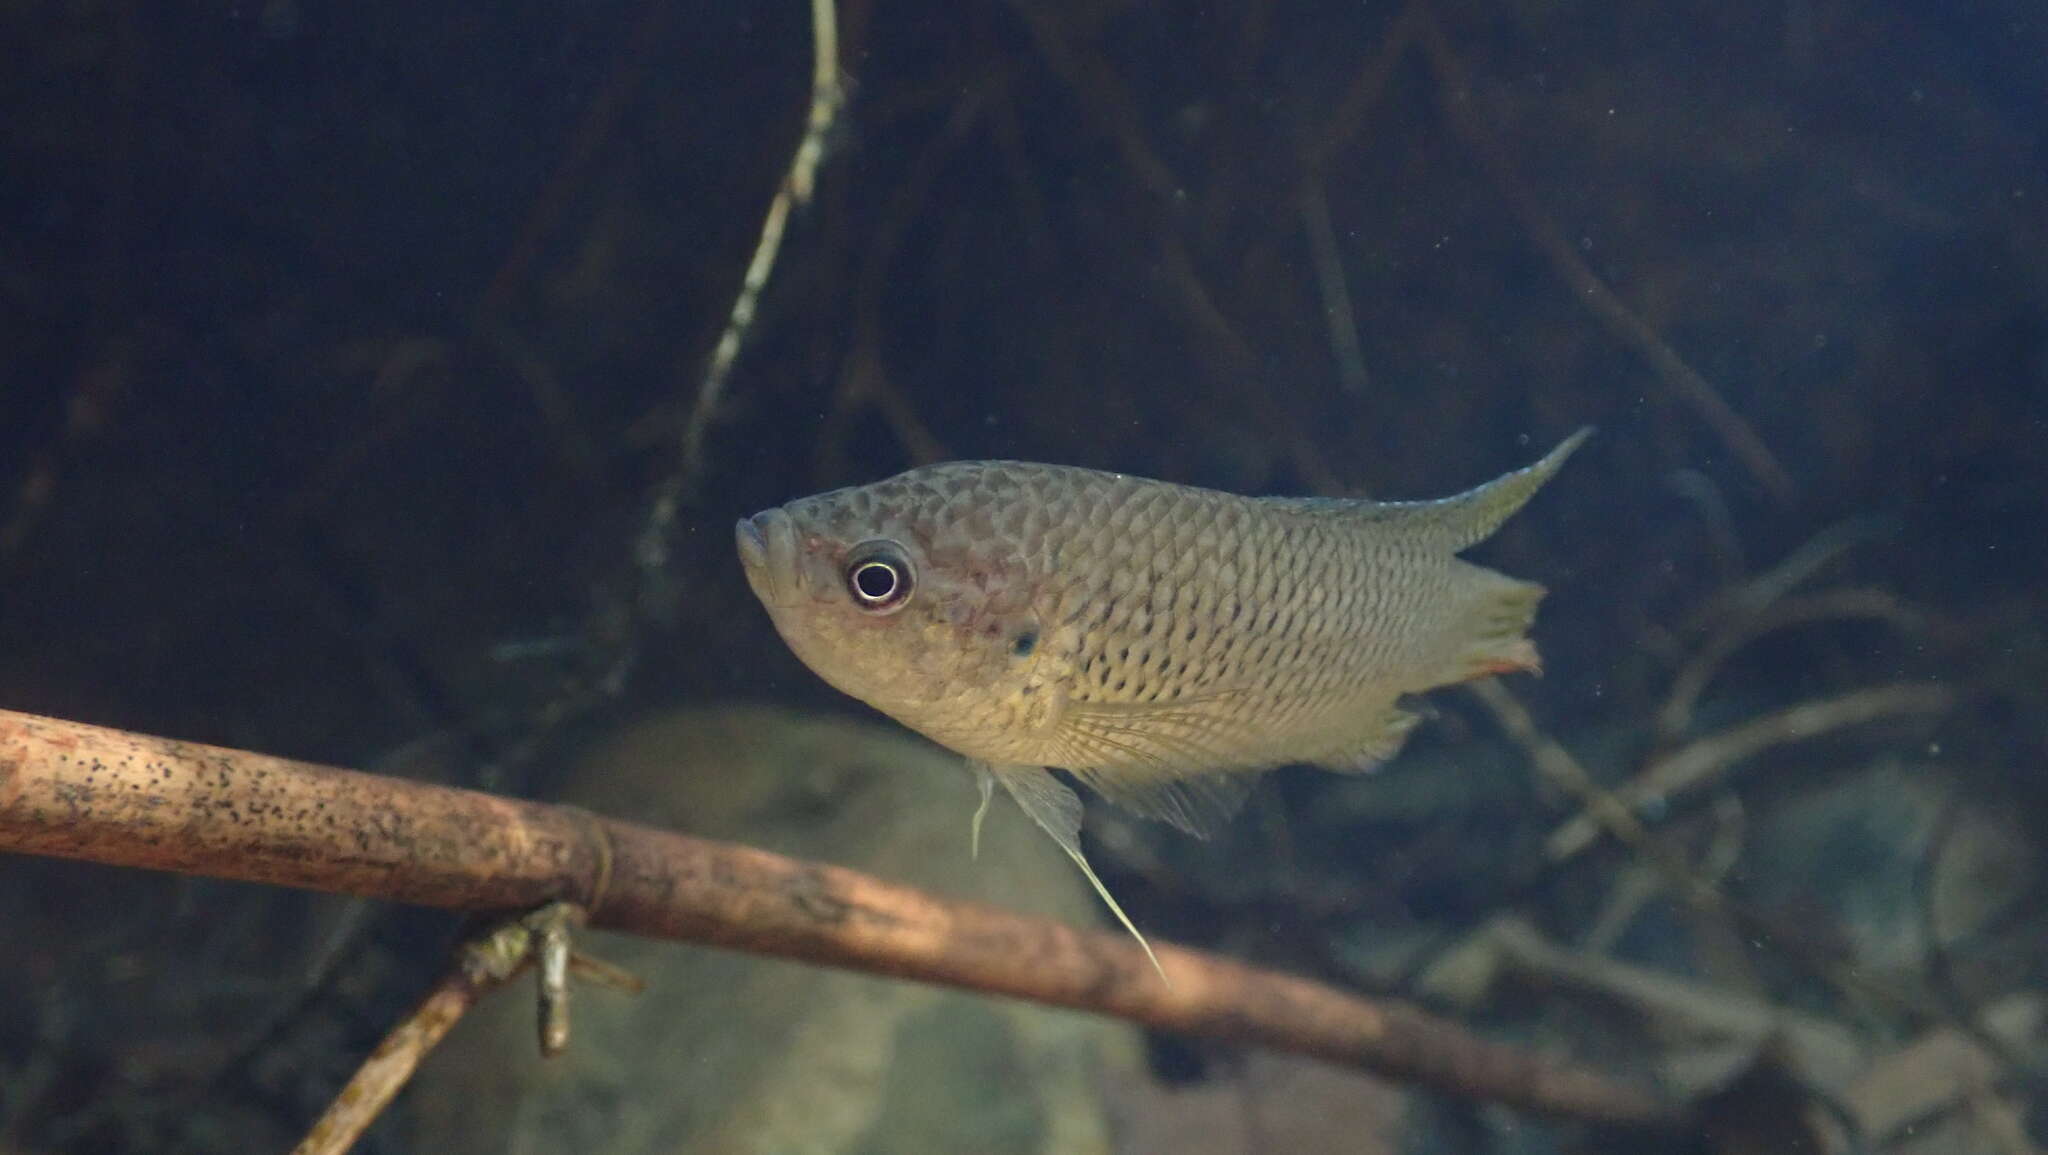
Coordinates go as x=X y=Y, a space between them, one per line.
x=341 y=347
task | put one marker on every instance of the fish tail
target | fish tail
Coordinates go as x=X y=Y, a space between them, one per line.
x=1464 y=520
x=1486 y=632
x=1493 y=636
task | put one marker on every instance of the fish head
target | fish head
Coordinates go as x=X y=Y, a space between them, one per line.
x=897 y=594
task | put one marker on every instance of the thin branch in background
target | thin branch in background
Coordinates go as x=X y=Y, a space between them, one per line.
x=1665 y=999
x=1760 y=592
x=601 y=115
x=1638 y=882
x=1235 y=365
x=865 y=381
x=612 y=627
x=1338 y=313
x=1454 y=90
x=1705 y=759
x=1937 y=968
x=1367 y=88
x=1601 y=806
x=1609 y=811
x=78 y=791
x=1675 y=716
x=399 y=375
x=1104 y=99
x=798 y=183
x=86 y=412
x=1239 y=362
x=1724 y=542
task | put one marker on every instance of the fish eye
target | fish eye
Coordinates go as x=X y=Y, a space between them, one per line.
x=879 y=577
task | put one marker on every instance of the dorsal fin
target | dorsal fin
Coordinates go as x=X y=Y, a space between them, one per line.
x=1461 y=521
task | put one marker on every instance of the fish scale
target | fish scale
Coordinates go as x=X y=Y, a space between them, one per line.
x=1163 y=644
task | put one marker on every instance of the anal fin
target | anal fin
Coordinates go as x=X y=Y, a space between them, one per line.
x=1196 y=803
x=1176 y=761
x=1380 y=735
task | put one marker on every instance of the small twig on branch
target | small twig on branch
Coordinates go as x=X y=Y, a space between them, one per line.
x=80 y=791
x=482 y=965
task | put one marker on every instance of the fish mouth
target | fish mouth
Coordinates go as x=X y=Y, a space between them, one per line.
x=767 y=547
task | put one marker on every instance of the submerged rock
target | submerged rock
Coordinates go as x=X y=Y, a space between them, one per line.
x=729 y=1053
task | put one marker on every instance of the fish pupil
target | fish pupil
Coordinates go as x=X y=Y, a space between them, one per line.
x=1025 y=643
x=879 y=576
x=875 y=581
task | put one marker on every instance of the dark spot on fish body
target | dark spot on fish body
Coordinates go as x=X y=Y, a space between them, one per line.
x=1025 y=642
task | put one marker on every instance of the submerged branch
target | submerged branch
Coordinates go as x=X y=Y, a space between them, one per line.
x=79 y=791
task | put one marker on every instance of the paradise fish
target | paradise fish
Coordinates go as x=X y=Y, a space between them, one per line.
x=1163 y=644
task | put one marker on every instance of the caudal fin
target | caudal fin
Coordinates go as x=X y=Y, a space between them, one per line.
x=1493 y=628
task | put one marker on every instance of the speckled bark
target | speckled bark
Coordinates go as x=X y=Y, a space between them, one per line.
x=80 y=791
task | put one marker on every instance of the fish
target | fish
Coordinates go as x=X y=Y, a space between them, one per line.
x=1161 y=644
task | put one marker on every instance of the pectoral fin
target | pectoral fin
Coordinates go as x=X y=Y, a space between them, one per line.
x=1057 y=810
